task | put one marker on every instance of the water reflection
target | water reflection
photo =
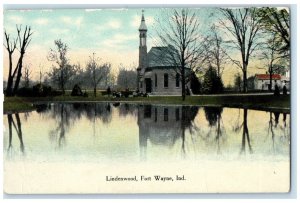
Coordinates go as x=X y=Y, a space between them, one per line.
x=18 y=129
x=164 y=125
x=179 y=131
x=245 y=134
x=213 y=116
x=66 y=116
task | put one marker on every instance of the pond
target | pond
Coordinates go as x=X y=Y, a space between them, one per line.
x=77 y=147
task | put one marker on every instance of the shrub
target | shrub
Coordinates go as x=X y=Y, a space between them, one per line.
x=76 y=91
x=212 y=83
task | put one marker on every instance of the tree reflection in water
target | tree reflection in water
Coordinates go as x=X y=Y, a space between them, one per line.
x=18 y=128
x=245 y=131
x=213 y=116
x=246 y=137
x=66 y=116
x=283 y=130
x=166 y=126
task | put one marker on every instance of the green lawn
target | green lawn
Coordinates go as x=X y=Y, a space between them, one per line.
x=242 y=101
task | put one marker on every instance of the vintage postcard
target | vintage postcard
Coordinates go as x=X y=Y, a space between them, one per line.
x=147 y=100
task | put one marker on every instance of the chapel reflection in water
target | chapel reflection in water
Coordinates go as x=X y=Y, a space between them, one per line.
x=164 y=125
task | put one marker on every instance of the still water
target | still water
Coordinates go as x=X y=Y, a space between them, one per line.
x=130 y=132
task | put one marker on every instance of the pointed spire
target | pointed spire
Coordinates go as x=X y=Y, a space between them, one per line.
x=143 y=26
x=143 y=18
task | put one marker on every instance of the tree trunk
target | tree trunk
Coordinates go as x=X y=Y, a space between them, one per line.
x=10 y=78
x=183 y=84
x=19 y=75
x=244 y=80
x=270 y=87
x=95 y=91
x=62 y=85
x=270 y=74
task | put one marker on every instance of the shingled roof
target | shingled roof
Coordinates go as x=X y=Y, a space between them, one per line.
x=161 y=57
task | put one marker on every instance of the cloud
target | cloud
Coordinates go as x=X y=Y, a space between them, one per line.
x=118 y=41
x=59 y=30
x=41 y=21
x=16 y=19
x=136 y=21
x=114 y=24
x=72 y=21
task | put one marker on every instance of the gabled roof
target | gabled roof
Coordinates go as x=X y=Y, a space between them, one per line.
x=267 y=76
x=161 y=57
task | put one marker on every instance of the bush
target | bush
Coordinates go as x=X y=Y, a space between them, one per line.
x=195 y=84
x=212 y=83
x=76 y=91
x=24 y=92
x=126 y=93
x=38 y=90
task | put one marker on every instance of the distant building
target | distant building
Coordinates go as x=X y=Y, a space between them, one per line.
x=155 y=74
x=262 y=81
x=285 y=80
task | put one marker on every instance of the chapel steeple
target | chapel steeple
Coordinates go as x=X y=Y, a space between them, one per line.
x=143 y=31
x=142 y=50
x=143 y=43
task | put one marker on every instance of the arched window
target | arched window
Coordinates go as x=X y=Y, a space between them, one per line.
x=155 y=79
x=166 y=80
x=177 y=79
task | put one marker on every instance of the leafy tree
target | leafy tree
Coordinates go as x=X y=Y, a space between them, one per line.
x=195 y=84
x=212 y=83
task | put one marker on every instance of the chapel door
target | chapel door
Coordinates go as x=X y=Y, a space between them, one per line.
x=148 y=82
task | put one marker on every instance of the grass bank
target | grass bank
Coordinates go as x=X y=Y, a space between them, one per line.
x=263 y=102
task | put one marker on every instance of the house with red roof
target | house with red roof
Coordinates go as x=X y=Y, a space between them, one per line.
x=262 y=81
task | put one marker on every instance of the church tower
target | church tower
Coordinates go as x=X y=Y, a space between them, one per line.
x=142 y=51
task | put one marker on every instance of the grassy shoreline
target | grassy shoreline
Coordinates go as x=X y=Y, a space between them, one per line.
x=258 y=102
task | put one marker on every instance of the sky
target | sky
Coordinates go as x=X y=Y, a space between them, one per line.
x=110 y=33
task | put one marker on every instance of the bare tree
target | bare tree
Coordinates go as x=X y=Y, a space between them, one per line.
x=63 y=72
x=62 y=76
x=271 y=55
x=277 y=20
x=180 y=32
x=217 y=56
x=243 y=25
x=126 y=77
x=27 y=73
x=21 y=44
x=97 y=72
